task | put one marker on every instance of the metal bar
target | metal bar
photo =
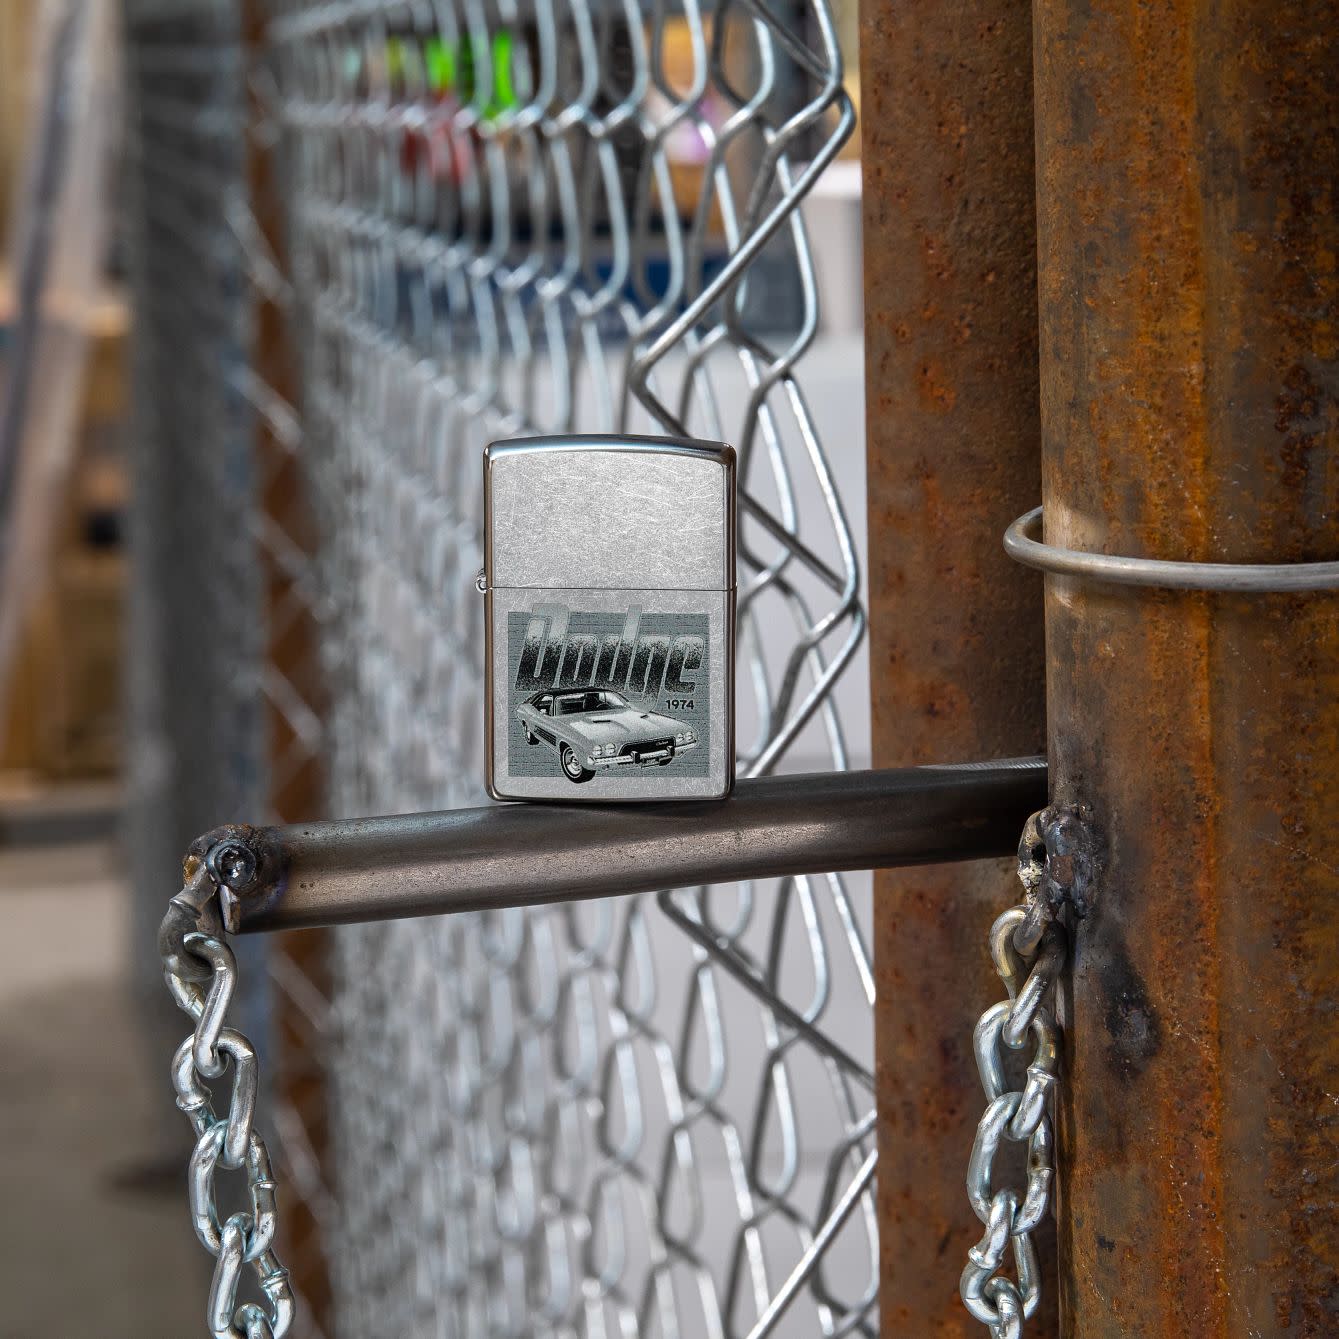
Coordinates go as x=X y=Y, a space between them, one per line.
x=954 y=443
x=1022 y=541
x=1187 y=233
x=510 y=855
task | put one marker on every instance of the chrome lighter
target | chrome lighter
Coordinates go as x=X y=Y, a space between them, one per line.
x=609 y=590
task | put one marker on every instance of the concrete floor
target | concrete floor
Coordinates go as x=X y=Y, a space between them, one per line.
x=92 y=1243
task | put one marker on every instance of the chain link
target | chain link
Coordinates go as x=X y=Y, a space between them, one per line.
x=202 y=976
x=1014 y=1115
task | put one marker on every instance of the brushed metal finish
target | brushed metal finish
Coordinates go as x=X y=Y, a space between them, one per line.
x=652 y=513
x=605 y=524
x=374 y=869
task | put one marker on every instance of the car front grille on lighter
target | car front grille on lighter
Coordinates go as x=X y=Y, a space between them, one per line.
x=646 y=746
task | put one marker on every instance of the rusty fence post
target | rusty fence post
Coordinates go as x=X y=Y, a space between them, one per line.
x=956 y=630
x=290 y=679
x=1188 y=157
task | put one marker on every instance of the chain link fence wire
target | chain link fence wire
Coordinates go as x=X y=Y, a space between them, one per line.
x=195 y=642
x=222 y=706
x=644 y=1116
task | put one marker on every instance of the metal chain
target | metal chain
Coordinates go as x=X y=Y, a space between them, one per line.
x=201 y=973
x=1028 y=946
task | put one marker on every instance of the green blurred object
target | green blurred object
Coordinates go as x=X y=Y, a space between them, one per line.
x=453 y=70
x=441 y=65
x=504 y=93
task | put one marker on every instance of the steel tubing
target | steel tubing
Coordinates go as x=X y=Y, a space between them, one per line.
x=508 y=855
x=1189 y=298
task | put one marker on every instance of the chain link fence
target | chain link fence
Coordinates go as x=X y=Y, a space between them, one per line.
x=634 y=1117
x=198 y=741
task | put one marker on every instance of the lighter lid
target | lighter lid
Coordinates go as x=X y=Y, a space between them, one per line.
x=618 y=513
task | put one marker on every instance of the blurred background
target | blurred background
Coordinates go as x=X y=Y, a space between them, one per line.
x=222 y=336
x=91 y=1233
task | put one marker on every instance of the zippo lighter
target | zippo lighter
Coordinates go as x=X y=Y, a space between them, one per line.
x=609 y=607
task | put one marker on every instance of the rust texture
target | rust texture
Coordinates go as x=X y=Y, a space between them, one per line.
x=296 y=777
x=1187 y=162
x=956 y=630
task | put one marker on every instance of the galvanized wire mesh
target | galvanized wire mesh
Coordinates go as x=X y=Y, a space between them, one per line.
x=195 y=643
x=509 y=216
x=195 y=487
x=222 y=701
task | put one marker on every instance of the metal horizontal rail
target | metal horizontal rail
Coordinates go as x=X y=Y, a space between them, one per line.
x=515 y=854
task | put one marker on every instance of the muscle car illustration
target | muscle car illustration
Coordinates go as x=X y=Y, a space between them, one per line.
x=592 y=729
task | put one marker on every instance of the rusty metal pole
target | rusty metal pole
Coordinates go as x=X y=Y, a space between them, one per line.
x=295 y=764
x=956 y=633
x=1188 y=157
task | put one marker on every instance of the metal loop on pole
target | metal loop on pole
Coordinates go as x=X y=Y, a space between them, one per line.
x=1023 y=543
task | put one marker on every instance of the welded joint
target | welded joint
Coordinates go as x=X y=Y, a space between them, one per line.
x=244 y=863
x=1057 y=859
x=222 y=868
